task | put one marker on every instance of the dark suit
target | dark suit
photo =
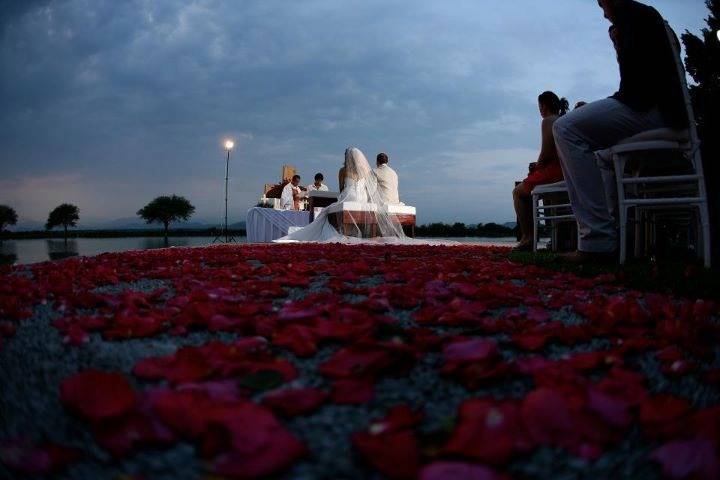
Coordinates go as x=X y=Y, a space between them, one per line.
x=648 y=71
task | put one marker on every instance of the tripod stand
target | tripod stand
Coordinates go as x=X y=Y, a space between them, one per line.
x=224 y=231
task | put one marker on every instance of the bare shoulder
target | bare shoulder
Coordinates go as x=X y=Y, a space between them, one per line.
x=547 y=124
x=548 y=121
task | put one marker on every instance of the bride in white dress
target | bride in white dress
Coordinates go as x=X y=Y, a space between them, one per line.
x=360 y=187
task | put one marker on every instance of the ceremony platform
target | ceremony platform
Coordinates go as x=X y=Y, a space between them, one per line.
x=344 y=217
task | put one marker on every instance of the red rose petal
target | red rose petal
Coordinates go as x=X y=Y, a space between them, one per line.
x=295 y=401
x=689 y=459
x=97 y=395
x=547 y=415
x=458 y=471
x=352 y=392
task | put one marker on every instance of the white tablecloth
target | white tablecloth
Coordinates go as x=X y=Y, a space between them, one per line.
x=267 y=224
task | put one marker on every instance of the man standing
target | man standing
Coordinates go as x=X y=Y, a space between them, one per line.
x=318 y=185
x=290 y=198
x=649 y=97
x=387 y=180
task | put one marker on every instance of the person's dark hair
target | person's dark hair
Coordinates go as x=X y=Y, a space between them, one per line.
x=296 y=177
x=382 y=158
x=558 y=106
x=319 y=177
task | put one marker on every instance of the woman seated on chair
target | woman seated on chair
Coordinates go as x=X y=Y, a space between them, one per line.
x=545 y=170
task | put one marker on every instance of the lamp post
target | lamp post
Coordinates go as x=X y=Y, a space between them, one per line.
x=229 y=144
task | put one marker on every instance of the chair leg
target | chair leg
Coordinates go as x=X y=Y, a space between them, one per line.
x=623 y=233
x=705 y=222
x=535 y=222
x=619 y=164
x=639 y=230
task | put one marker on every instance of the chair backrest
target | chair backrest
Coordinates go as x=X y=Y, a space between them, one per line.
x=675 y=46
x=692 y=124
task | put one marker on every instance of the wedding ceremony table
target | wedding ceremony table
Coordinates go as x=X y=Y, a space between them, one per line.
x=267 y=224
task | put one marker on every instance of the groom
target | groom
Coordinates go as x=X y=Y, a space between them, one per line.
x=387 y=180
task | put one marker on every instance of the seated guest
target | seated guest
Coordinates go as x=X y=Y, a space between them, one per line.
x=387 y=180
x=545 y=170
x=291 y=195
x=650 y=97
x=318 y=185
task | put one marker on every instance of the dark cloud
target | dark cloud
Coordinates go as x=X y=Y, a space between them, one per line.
x=13 y=10
x=130 y=99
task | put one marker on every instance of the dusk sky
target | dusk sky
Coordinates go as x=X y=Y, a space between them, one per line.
x=109 y=103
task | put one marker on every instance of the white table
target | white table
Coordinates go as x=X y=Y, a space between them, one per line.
x=267 y=224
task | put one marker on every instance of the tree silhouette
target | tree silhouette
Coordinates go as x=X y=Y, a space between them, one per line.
x=166 y=209
x=7 y=217
x=65 y=215
x=703 y=64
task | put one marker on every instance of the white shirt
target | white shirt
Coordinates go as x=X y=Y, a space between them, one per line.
x=286 y=199
x=321 y=188
x=387 y=181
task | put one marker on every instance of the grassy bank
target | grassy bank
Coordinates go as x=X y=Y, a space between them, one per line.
x=680 y=278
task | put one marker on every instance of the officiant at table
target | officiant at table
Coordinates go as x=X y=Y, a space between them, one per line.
x=292 y=194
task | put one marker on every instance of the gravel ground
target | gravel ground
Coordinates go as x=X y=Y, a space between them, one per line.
x=35 y=360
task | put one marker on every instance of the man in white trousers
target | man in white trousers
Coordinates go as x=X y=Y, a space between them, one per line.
x=649 y=97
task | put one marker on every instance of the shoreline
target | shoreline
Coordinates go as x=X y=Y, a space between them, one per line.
x=130 y=233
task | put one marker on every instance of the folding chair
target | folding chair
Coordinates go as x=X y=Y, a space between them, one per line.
x=548 y=212
x=687 y=190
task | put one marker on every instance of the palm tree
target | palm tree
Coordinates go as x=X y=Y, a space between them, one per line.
x=7 y=217
x=65 y=215
x=167 y=209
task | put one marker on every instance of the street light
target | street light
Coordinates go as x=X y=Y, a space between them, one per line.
x=229 y=144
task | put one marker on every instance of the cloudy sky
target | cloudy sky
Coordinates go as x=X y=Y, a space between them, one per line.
x=108 y=103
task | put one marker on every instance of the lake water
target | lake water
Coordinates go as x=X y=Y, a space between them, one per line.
x=33 y=251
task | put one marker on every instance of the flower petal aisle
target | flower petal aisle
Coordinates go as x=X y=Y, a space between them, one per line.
x=332 y=361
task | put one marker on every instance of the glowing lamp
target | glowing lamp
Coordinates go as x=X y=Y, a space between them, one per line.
x=229 y=144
